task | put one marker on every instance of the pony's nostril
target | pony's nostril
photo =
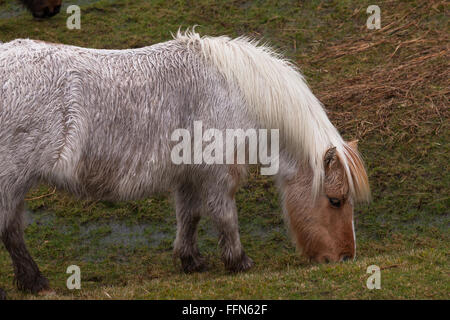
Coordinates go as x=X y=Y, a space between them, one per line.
x=326 y=259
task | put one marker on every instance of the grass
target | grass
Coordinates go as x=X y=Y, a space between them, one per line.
x=387 y=87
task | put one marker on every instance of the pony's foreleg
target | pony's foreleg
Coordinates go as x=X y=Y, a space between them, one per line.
x=27 y=274
x=188 y=212
x=223 y=212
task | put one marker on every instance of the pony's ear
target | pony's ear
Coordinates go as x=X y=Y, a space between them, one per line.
x=330 y=157
x=353 y=144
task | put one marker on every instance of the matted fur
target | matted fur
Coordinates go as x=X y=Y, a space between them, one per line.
x=278 y=96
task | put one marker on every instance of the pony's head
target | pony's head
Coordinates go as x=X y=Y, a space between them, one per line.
x=322 y=227
x=43 y=8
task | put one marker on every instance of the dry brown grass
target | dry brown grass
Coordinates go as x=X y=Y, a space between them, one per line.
x=414 y=76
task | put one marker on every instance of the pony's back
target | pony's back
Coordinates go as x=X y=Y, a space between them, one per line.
x=106 y=116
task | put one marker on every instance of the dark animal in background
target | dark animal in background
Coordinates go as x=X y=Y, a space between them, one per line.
x=42 y=8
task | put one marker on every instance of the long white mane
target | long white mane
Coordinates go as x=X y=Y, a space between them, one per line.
x=279 y=97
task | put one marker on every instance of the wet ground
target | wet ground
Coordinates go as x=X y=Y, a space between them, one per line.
x=97 y=239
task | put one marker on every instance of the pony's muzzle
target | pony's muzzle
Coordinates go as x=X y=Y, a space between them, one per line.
x=328 y=258
x=346 y=257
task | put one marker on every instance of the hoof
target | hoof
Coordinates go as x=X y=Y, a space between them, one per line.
x=239 y=265
x=2 y=294
x=33 y=285
x=193 y=264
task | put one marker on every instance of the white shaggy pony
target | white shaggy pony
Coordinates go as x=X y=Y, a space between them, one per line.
x=98 y=123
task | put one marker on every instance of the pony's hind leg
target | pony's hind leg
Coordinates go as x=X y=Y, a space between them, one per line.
x=27 y=275
x=188 y=212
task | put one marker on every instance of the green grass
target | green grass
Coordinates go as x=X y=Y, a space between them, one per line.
x=124 y=249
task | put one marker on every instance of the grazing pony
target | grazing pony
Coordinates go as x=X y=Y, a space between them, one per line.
x=42 y=8
x=98 y=123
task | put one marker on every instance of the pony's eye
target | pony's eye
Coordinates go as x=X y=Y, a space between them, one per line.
x=335 y=202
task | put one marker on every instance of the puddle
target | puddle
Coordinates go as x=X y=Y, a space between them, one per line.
x=107 y=233
x=99 y=239
x=123 y=234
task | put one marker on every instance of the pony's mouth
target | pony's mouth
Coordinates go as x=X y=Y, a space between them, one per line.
x=328 y=258
x=321 y=259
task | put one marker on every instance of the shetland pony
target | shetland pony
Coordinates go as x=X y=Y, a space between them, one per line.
x=98 y=124
x=42 y=8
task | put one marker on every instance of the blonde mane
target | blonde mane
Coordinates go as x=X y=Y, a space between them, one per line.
x=278 y=97
x=356 y=173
